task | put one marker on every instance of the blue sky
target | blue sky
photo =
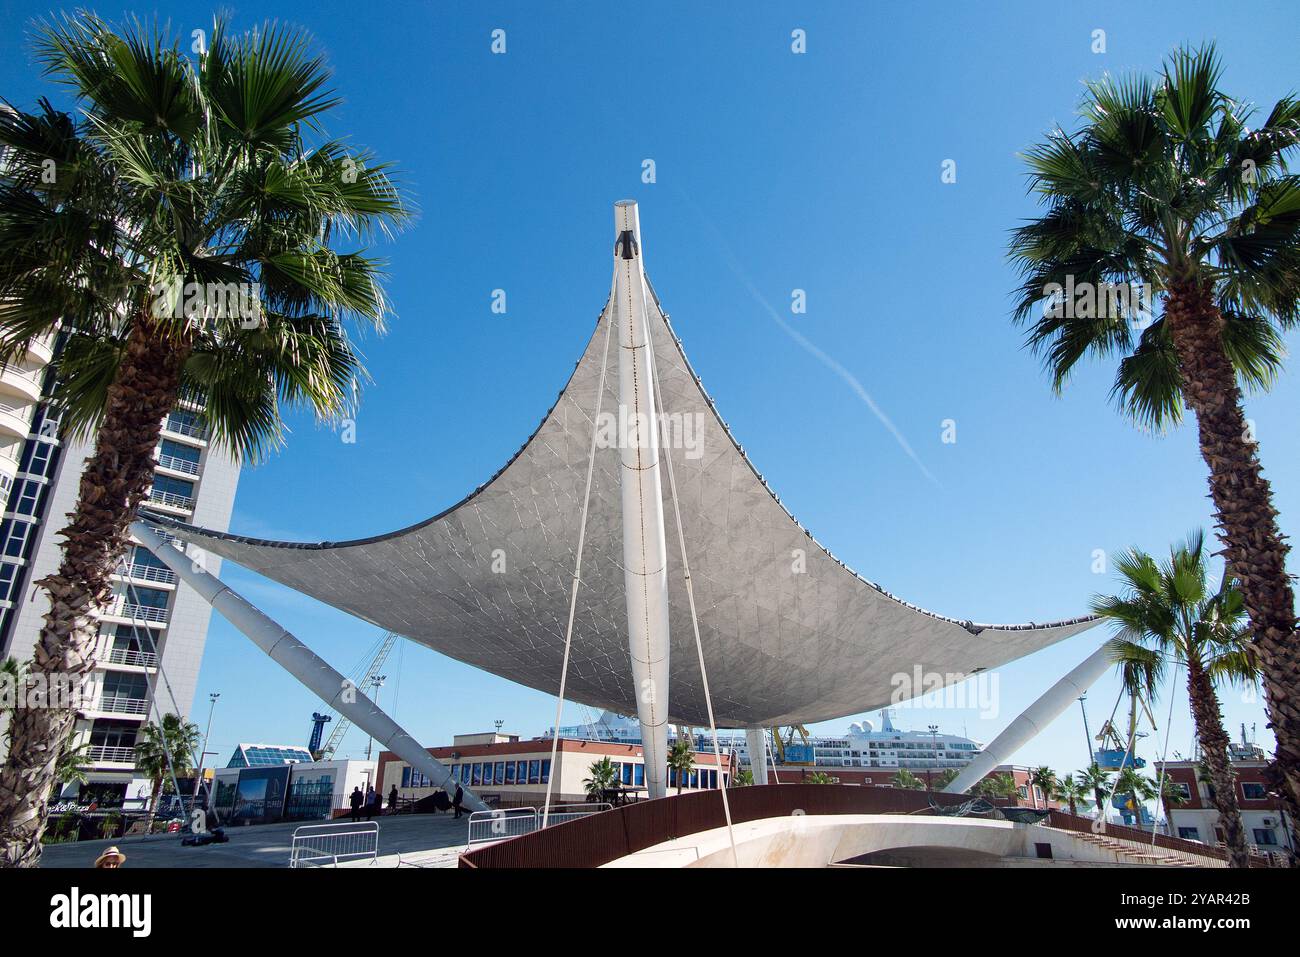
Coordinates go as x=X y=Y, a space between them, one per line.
x=775 y=171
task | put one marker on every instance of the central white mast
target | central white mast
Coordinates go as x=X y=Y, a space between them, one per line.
x=644 y=550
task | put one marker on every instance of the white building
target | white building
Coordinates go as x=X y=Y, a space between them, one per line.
x=153 y=630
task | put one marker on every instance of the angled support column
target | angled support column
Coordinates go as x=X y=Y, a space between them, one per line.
x=1033 y=720
x=645 y=565
x=756 y=745
x=301 y=662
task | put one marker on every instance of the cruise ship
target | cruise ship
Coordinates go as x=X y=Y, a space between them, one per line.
x=862 y=747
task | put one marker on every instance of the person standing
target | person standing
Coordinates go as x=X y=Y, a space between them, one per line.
x=370 y=801
x=392 y=800
x=355 y=799
x=458 y=798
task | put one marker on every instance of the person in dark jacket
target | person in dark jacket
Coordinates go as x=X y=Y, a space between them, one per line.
x=356 y=798
x=392 y=800
x=371 y=800
x=457 y=799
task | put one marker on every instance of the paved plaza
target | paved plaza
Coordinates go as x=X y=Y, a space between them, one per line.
x=420 y=840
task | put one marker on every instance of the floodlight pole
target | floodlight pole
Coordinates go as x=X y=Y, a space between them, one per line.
x=1033 y=720
x=645 y=564
x=301 y=662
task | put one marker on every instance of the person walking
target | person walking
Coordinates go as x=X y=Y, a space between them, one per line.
x=458 y=798
x=355 y=799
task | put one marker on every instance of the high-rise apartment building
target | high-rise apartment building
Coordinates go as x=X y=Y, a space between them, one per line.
x=152 y=632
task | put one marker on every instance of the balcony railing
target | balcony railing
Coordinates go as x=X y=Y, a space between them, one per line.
x=181 y=427
x=138 y=659
x=102 y=753
x=178 y=464
x=119 y=704
x=124 y=609
x=171 y=498
x=147 y=573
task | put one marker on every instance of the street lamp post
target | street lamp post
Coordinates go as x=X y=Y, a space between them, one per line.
x=198 y=774
x=934 y=755
x=376 y=682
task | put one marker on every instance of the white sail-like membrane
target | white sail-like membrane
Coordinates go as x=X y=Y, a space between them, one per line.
x=790 y=634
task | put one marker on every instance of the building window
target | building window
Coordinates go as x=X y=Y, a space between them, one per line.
x=1190 y=833
x=475 y=774
x=167 y=485
x=1253 y=791
x=149 y=597
x=510 y=772
x=546 y=771
x=176 y=450
x=29 y=492
x=638 y=775
x=534 y=772
x=1183 y=790
x=499 y=773
x=13 y=534
x=1265 y=836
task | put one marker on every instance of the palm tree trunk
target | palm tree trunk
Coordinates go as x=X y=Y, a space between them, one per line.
x=114 y=482
x=1246 y=518
x=1213 y=740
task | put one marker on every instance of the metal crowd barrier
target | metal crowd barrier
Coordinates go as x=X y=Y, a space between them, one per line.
x=325 y=845
x=499 y=824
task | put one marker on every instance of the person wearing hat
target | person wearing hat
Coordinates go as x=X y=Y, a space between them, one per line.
x=111 y=859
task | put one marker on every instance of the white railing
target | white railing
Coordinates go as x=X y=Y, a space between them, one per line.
x=324 y=845
x=99 y=752
x=177 y=464
x=184 y=428
x=138 y=659
x=498 y=824
x=119 y=704
x=171 y=498
x=123 y=609
x=148 y=573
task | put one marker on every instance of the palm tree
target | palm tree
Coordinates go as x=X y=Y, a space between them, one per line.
x=681 y=759
x=1173 y=794
x=160 y=754
x=1166 y=188
x=1131 y=783
x=181 y=228
x=945 y=777
x=904 y=778
x=604 y=776
x=997 y=786
x=1069 y=790
x=73 y=766
x=744 y=778
x=819 y=777
x=1168 y=611
x=1096 y=780
x=1043 y=778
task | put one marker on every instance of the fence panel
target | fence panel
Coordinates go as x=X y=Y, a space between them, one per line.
x=501 y=823
x=325 y=845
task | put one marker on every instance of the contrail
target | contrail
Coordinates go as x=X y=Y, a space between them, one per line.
x=849 y=378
